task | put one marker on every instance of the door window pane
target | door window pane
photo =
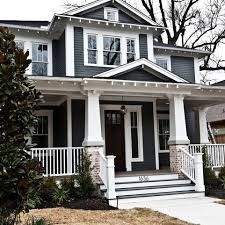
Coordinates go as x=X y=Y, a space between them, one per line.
x=164 y=133
x=134 y=134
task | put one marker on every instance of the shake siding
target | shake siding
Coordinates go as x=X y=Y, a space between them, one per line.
x=183 y=67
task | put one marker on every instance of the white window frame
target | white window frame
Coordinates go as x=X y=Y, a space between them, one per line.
x=127 y=131
x=49 y=114
x=134 y=53
x=164 y=57
x=162 y=117
x=114 y=10
x=19 y=41
x=88 y=49
x=47 y=63
x=123 y=45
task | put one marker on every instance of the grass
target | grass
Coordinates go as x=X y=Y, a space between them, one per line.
x=62 y=216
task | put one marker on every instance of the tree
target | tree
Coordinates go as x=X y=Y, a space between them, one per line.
x=198 y=23
x=19 y=174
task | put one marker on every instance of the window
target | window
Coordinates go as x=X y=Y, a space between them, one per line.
x=39 y=59
x=162 y=62
x=111 y=50
x=20 y=44
x=40 y=137
x=134 y=134
x=164 y=133
x=111 y=14
x=131 y=56
x=92 y=49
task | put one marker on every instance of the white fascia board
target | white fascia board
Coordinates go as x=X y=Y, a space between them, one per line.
x=24 y=27
x=126 y=5
x=138 y=63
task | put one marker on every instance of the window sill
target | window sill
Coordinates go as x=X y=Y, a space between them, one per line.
x=164 y=151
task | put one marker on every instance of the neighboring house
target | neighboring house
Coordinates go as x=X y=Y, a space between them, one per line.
x=109 y=87
x=216 y=119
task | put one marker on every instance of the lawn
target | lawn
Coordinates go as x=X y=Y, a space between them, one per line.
x=62 y=216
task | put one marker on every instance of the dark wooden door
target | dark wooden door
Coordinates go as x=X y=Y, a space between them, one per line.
x=114 y=137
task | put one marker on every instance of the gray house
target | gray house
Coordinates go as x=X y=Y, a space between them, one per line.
x=134 y=104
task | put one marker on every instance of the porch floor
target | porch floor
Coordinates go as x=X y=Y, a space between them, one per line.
x=143 y=173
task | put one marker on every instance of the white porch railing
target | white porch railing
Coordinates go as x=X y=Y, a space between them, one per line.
x=107 y=174
x=59 y=161
x=192 y=167
x=215 y=153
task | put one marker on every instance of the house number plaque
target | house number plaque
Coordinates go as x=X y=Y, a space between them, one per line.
x=144 y=178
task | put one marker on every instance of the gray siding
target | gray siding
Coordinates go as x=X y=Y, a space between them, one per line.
x=143 y=46
x=124 y=14
x=183 y=67
x=141 y=75
x=192 y=125
x=80 y=69
x=78 y=122
x=59 y=57
x=60 y=126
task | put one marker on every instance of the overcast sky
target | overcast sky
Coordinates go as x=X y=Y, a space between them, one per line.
x=44 y=10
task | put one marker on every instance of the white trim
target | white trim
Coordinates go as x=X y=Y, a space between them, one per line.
x=141 y=62
x=150 y=47
x=69 y=122
x=127 y=131
x=156 y=135
x=197 y=71
x=164 y=57
x=124 y=4
x=100 y=34
x=110 y=9
x=69 y=48
x=49 y=114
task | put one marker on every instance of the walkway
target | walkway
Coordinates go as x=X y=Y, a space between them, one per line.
x=203 y=211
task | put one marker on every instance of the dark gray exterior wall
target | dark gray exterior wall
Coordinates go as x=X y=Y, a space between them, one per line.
x=80 y=69
x=59 y=56
x=60 y=126
x=183 y=67
x=78 y=122
x=143 y=45
x=192 y=126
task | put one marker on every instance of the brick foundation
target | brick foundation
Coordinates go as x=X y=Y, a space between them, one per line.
x=95 y=159
x=175 y=158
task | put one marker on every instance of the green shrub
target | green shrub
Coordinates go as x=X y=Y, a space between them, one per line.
x=69 y=186
x=222 y=173
x=60 y=196
x=84 y=179
x=33 y=221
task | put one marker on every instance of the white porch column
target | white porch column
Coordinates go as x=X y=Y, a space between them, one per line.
x=203 y=130
x=178 y=131
x=93 y=134
x=69 y=47
x=199 y=176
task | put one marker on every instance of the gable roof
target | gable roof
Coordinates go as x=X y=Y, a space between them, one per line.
x=121 y=2
x=141 y=62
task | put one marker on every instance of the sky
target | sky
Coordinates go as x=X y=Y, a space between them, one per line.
x=45 y=9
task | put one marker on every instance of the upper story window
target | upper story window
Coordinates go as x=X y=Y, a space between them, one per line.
x=20 y=44
x=162 y=62
x=92 y=49
x=131 y=53
x=111 y=51
x=111 y=14
x=39 y=59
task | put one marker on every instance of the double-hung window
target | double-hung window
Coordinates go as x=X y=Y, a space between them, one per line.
x=164 y=133
x=131 y=55
x=111 y=14
x=111 y=50
x=39 y=59
x=92 y=49
x=162 y=62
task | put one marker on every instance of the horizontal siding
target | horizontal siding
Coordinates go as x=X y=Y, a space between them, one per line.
x=143 y=46
x=183 y=67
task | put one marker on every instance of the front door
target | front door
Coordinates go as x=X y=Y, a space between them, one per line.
x=114 y=138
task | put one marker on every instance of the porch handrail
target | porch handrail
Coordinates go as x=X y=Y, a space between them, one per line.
x=63 y=161
x=215 y=153
x=107 y=174
x=192 y=167
x=187 y=162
